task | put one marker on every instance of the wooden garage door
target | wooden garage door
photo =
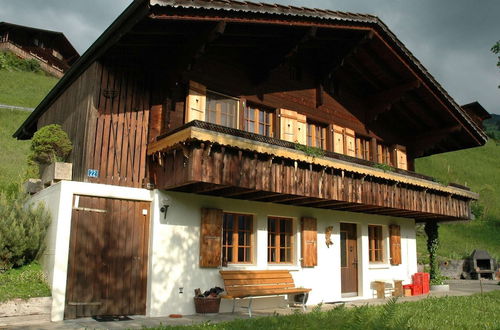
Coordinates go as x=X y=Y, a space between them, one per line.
x=107 y=269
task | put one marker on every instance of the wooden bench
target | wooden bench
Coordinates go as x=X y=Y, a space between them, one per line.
x=241 y=284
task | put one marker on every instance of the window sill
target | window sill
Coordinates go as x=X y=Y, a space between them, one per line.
x=379 y=266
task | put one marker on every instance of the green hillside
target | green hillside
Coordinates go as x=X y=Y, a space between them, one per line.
x=479 y=169
x=25 y=89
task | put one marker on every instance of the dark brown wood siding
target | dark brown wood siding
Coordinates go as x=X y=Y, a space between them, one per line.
x=302 y=184
x=107 y=268
x=71 y=111
x=118 y=127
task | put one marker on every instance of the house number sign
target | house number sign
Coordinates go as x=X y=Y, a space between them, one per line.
x=92 y=173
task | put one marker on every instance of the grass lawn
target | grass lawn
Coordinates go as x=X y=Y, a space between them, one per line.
x=466 y=312
x=25 y=89
x=14 y=152
x=25 y=282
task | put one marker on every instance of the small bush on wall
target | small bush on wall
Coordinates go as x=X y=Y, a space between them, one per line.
x=49 y=144
x=22 y=229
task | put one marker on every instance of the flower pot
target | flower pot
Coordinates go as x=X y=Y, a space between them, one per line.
x=206 y=305
x=440 y=288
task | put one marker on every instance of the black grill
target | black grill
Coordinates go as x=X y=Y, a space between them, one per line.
x=480 y=265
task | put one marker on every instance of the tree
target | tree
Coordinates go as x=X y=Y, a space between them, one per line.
x=496 y=50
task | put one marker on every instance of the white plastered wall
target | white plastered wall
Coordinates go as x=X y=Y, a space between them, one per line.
x=58 y=199
x=175 y=252
x=174 y=247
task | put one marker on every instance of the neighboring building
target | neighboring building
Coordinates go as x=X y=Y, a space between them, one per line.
x=187 y=119
x=54 y=52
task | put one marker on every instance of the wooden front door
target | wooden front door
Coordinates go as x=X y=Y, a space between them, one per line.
x=107 y=267
x=348 y=259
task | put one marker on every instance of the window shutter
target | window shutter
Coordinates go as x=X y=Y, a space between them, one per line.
x=395 y=241
x=309 y=246
x=338 y=139
x=196 y=102
x=288 y=125
x=350 y=142
x=211 y=238
x=401 y=161
x=301 y=133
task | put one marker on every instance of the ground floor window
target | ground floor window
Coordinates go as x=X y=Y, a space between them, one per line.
x=279 y=240
x=237 y=240
x=376 y=246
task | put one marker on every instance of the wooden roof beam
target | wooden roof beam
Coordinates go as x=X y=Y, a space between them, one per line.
x=429 y=139
x=197 y=47
x=259 y=76
x=383 y=101
x=329 y=72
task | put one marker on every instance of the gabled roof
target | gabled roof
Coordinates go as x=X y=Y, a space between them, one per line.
x=61 y=38
x=139 y=9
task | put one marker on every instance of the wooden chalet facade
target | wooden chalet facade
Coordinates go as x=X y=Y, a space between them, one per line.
x=50 y=48
x=291 y=120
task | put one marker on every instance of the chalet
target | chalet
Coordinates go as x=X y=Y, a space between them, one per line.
x=50 y=48
x=232 y=135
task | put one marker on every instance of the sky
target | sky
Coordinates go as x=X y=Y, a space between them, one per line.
x=452 y=38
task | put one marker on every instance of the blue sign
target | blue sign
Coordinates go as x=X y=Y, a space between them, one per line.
x=92 y=173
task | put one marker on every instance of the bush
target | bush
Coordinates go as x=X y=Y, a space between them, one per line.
x=49 y=144
x=22 y=229
x=11 y=62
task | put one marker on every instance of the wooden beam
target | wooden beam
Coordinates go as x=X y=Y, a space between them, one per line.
x=383 y=101
x=429 y=139
x=329 y=72
x=275 y=59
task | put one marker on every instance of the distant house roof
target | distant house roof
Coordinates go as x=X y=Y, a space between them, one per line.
x=139 y=9
x=58 y=38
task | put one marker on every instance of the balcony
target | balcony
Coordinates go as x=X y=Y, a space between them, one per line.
x=209 y=159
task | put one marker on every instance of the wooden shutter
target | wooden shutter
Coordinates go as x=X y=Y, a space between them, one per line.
x=338 y=139
x=196 y=102
x=301 y=133
x=350 y=142
x=211 y=238
x=288 y=124
x=401 y=161
x=395 y=242
x=309 y=246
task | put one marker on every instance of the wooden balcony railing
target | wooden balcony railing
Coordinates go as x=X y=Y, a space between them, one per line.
x=209 y=159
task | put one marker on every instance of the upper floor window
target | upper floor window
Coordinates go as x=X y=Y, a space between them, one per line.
x=363 y=148
x=384 y=155
x=258 y=120
x=316 y=135
x=376 y=246
x=279 y=240
x=221 y=110
x=237 y=231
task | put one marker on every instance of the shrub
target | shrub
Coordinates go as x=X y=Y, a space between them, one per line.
x=22 y=229
x=49 y=144
x=11 y=62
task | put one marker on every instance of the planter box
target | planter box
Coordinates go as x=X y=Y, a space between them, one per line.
x=32 y=186
x=440 y=288
x=56 y=172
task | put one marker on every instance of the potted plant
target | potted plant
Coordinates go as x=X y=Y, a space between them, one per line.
x=50 y=149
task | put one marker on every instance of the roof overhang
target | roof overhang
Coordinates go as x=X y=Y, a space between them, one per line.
x=253 y=13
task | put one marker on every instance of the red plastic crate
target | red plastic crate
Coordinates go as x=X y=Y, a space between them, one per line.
x=416 y=290
x=418 y=279
x=426 y=283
